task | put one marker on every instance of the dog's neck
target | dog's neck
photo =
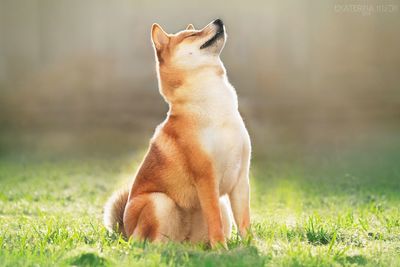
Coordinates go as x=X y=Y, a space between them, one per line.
x=204 y=91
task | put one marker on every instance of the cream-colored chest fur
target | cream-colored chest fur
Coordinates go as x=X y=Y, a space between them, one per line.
x=223 y=134
x=225 y=140
x=212 y=102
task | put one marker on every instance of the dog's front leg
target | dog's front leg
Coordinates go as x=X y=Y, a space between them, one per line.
x=208 y=193
x=240 y=196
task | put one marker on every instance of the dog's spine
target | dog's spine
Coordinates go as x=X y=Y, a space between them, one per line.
x=114 y=211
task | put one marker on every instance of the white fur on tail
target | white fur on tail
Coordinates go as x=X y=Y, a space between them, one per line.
x=114 y=211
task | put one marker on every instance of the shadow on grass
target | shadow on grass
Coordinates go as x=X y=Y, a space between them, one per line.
x=87 y=259
x=241 y=256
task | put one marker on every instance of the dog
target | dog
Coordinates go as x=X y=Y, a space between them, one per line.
x=200 y=153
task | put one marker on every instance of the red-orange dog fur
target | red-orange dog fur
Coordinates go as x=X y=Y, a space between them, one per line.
x=200 y=153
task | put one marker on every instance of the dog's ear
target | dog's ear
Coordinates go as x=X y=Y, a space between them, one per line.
x=190 y=27
x=159 y=37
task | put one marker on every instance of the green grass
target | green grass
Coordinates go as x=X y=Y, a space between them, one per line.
x=342 y=209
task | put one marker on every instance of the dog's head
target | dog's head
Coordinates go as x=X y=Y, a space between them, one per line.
x=190 y=48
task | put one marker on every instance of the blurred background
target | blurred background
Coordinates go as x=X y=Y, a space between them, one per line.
x=79 y=76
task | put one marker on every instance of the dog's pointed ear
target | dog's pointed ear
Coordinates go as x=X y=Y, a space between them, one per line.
x=159 y=36
x=190 y=27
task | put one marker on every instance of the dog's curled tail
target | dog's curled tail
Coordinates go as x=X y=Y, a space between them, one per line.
x=114 y=211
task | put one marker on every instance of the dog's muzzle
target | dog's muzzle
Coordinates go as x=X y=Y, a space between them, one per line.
x=218 y=34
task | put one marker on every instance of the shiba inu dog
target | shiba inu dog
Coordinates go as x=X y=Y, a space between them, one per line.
x=200 y=153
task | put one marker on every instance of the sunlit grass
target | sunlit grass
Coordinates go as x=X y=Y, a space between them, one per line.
x=317 y=211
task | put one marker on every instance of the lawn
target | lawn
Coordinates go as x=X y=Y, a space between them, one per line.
x=319 y=210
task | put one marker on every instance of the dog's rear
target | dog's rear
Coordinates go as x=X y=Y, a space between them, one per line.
x=114 y=211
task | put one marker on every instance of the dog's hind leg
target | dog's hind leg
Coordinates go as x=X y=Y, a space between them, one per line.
x=156 y=217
